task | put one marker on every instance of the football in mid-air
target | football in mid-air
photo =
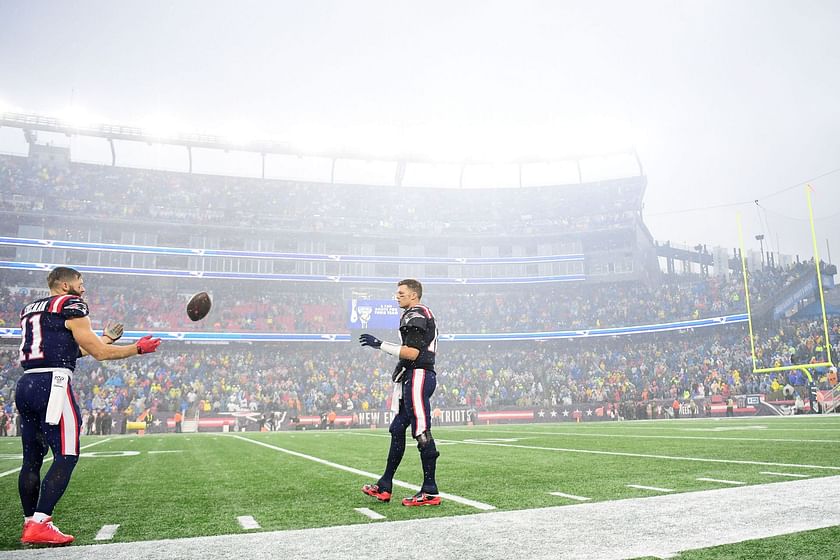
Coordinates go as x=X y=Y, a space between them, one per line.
x=199 y=306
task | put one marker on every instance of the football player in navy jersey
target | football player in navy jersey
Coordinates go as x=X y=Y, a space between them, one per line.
x=415 y=381
x=56 y=331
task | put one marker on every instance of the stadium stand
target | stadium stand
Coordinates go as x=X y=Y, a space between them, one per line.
x=620 y=286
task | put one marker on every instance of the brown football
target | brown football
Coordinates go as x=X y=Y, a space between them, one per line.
x=199 y=306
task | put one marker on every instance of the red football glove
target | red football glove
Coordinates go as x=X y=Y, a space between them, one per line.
x=147 y=344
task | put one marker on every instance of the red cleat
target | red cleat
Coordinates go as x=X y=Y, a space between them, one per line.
x=44 y=533
x=374 y=491
x=422 y=499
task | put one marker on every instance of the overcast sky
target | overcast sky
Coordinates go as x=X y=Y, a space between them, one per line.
x=726 y=102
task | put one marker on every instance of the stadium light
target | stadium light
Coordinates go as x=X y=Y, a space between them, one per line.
x=501 y=142
x=600 y=135
x=378 y=140
x=449 y=143
x=7 y=107
x=160 y=126
x=78 y=117
x=239 y=133
x=429 y=142
x=314 y=139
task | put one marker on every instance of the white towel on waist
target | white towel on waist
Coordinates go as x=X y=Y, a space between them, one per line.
x=395 y=398
x=58 y=395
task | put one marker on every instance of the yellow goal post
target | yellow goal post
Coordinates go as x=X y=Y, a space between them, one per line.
x=827 y=362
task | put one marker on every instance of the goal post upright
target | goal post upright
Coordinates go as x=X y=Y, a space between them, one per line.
x=827 y=362
x=808 y=191
x=746 y=289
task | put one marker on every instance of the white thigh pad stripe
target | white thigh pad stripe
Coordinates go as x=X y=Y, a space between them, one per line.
x=69 y=426
x=417 y=400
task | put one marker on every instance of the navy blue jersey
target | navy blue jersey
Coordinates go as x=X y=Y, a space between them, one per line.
x=45 y=341
x=419 y=320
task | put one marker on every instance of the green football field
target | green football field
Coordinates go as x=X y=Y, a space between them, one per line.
x=189 y=485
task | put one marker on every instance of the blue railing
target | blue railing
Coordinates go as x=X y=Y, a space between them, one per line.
x=483 y=337
x=113 y=248
x=45 y=267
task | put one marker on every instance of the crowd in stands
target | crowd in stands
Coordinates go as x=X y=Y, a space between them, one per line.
x=111 y=192
x=310 y=378
x=254 y=307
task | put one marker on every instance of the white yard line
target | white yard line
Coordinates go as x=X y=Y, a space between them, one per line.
x=46 y=460
x=688 y=425
x=248 y=522
x=652 y=436
x=791 y=475
x=650 y=456
x=106 y=533
x=732 y=482
x=458 y=499
x=370 y=513
x=654 y=488
x=570 y=496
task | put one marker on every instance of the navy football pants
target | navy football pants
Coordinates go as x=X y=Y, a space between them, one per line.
x=415 y=413
x=31 y=396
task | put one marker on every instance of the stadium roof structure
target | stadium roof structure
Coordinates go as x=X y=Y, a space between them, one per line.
x=31 y=123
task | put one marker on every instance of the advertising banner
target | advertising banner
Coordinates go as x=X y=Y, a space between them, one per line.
x=375 y=314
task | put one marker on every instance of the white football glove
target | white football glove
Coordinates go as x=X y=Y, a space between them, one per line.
x=114 y=331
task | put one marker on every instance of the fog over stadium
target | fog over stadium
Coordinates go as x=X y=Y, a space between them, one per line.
x=276 y=274
x=724 y=102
